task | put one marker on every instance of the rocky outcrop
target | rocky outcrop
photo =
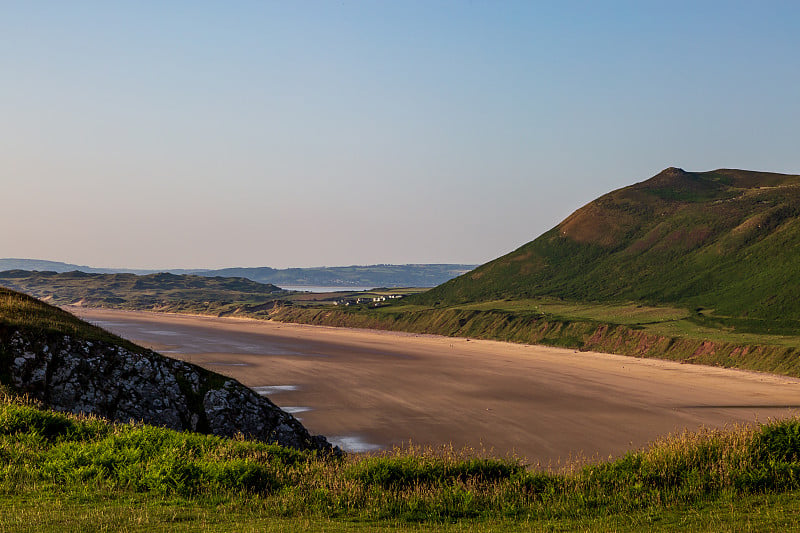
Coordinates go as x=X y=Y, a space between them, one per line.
x=104 y=379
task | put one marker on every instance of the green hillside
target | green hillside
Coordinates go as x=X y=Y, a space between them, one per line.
x=723 y=243
x=24 y=312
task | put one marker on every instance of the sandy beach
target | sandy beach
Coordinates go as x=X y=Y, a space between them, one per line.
x=372 y=389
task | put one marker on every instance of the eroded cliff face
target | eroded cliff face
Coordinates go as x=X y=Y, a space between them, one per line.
x=80 y=376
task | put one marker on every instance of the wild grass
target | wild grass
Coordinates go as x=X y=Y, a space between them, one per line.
x=21 y=311
x=48 y=457
x=658 y=320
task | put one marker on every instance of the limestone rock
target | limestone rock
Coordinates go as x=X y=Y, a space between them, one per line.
x=107 y=380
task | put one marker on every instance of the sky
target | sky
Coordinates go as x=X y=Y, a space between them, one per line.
x=191 y=134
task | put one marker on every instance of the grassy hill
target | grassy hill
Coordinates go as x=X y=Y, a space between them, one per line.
x=156 y=292
x=698 y=267
x=725 y=242
x=25 y=312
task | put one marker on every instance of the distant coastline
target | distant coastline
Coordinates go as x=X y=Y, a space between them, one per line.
x=323 y=288
x=350 y=278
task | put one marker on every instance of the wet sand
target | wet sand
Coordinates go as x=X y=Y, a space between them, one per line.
x=364 y=388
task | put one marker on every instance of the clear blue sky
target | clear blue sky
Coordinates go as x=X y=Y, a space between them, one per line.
x=210 y=134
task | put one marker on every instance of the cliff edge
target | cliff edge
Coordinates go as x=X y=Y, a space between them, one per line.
x=78 y=368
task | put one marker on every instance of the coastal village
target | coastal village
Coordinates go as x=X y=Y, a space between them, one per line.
x=374 y=301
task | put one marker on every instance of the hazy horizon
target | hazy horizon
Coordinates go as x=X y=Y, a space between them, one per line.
x=159 y=267
x=197 y=135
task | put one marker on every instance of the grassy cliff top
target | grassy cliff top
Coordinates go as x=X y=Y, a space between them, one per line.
x=24 y=312
x=726 y=241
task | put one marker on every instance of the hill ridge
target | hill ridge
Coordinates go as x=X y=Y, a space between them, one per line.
x=726 y=240
x=376 y=275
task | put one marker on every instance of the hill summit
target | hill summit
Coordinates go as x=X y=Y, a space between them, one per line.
x=725 y=241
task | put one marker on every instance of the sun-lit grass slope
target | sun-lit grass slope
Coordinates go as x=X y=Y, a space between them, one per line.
x=20 y=311
x=47 y=455
x=725 y=240
x=157 y=292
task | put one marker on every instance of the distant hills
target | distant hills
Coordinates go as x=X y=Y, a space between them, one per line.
x=185 y=293
x=350 y=276
x=724 y=242
x=419 y=275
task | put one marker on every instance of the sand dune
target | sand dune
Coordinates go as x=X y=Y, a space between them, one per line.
x=371 y=388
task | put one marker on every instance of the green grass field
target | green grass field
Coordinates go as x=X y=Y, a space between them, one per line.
x=63 y=472
x=658 y=320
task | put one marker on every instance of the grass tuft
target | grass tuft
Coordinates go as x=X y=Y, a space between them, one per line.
x=46 y=456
